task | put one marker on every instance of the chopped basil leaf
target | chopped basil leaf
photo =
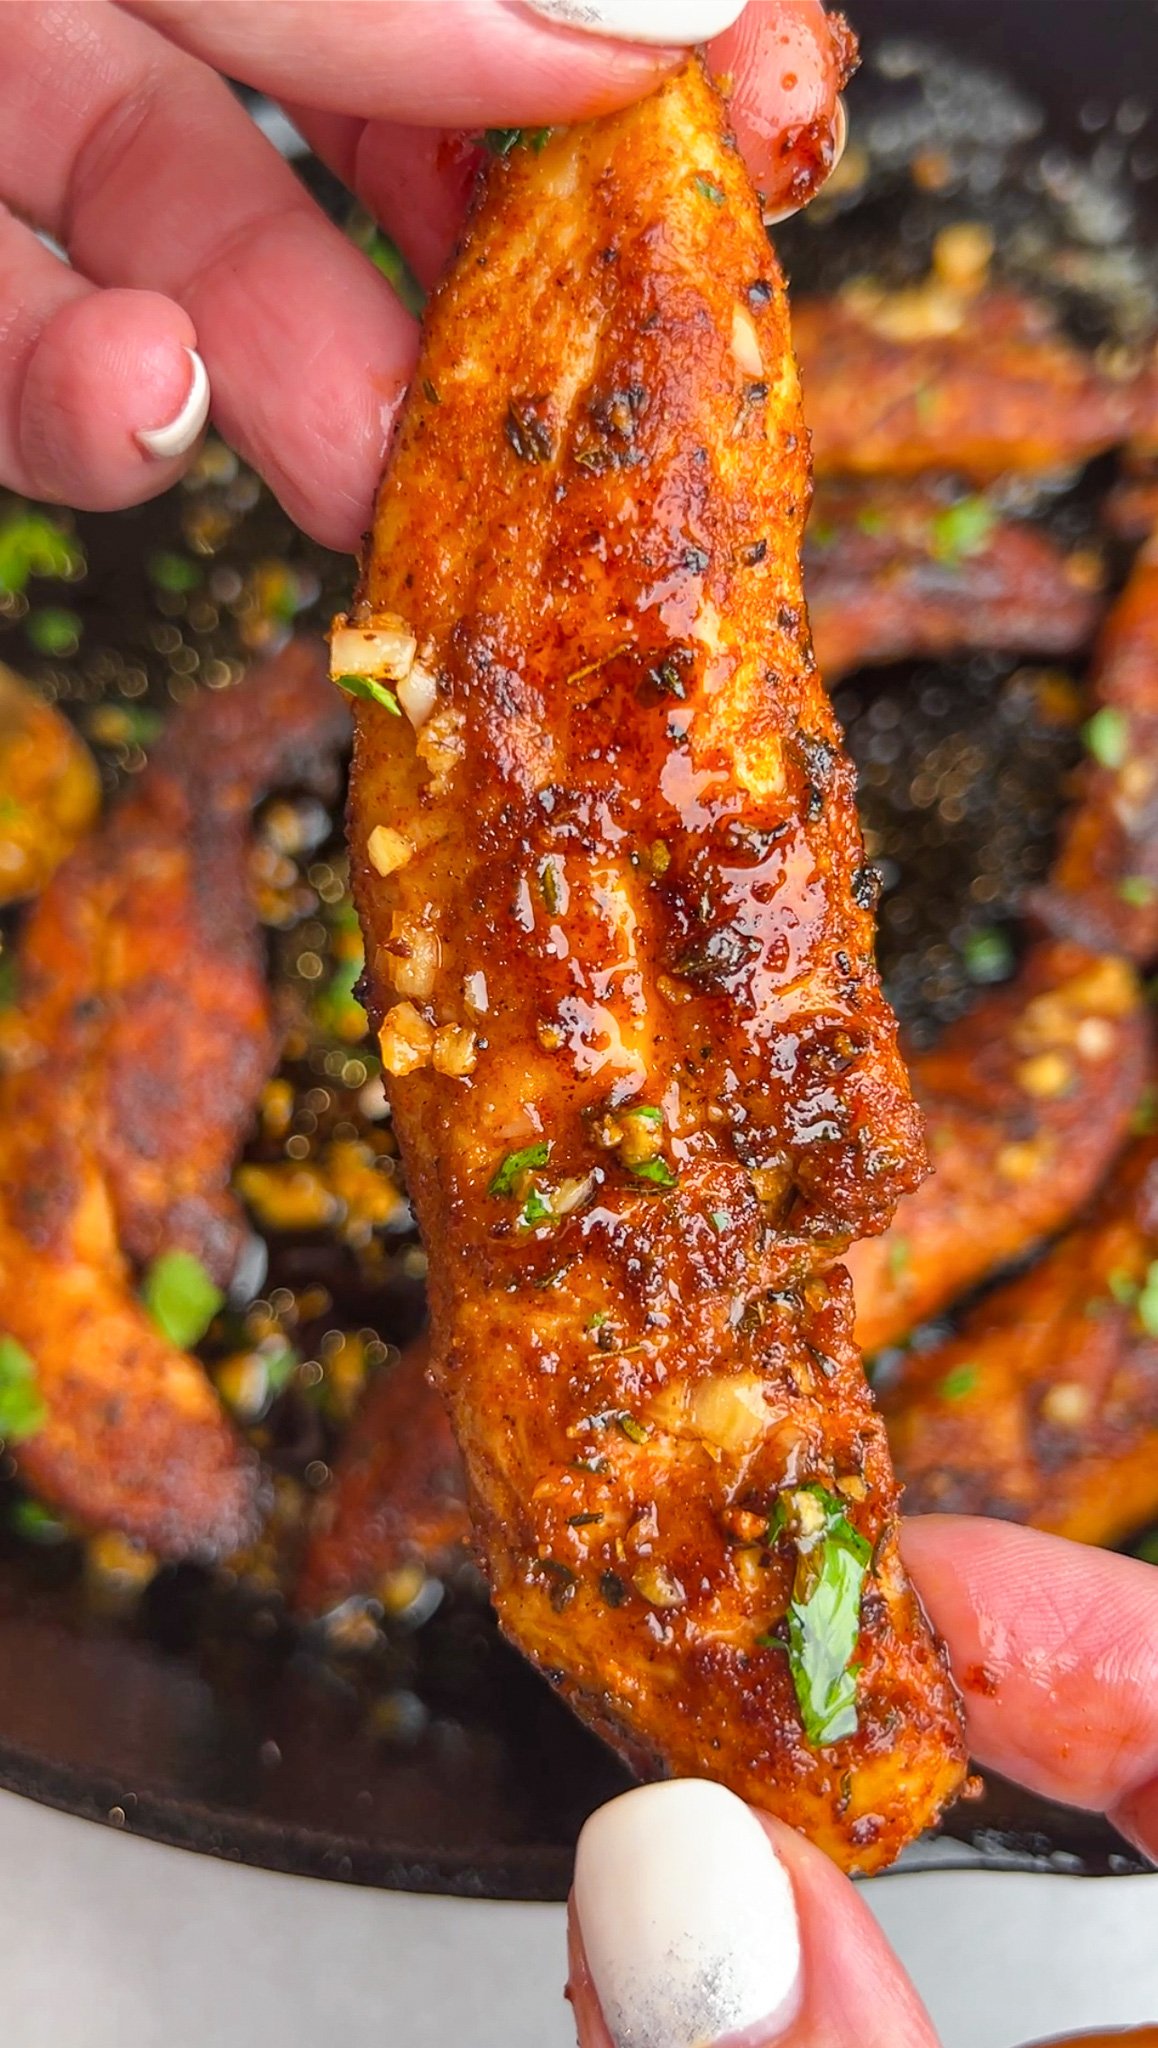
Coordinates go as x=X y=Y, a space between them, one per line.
x=710 y=191
x=657 y=1171
x=1107 y=736
x=180 y=1297
x=22 y=1412
x=373 y=692
x=824 y=1624
x=958 y=1381
x=516 y=1163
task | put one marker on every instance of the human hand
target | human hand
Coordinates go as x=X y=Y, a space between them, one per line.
x=694 y=1921
x=187 y=232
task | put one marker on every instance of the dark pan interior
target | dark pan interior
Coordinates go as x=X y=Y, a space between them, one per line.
x=442 y=1765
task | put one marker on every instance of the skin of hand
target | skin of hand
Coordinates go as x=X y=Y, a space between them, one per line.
x=202 y=273
x=695 y=1921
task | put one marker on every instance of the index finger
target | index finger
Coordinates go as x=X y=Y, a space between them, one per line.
x=1055 y=1647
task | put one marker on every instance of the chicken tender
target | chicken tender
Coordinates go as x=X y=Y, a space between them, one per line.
x=619 y=947
x=1044 y=1408
x=1026 y=1099
x=144 y=1037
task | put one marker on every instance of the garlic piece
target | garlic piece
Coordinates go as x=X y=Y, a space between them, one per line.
x=406 y=1040
x=387 y=850
x=454 y=1051
x=381 y=647
x=746 y=343
x=418 y=693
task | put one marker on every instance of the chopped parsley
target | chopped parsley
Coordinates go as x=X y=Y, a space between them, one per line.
x=958 y=1382
x=371 y=690
x=181 y=1297
x=824 y=1616
x=535 y=1210
x=22 y=1412
x=31 y=544
x=710 y=191
x=657 y=1171
x=960 y=530
x=525 y=1160
x=501 y=141
x=1107 y=736
x=987 y=954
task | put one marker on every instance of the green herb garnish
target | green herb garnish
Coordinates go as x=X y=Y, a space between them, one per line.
x=824 y=1617
x=369 y=688
x=961 y=530
x=987 y=954
x=1107 y=736
x=710 y=191
x=958 y=1382
x=636 y=1432
x=657 y=1171
x=173 y=572
x=180 y=1297
x=1136 y=890
x=31 y=544
x=54 y=630
x=516 y=1163
x=535 y=1210
x=22 y=1412
x=501 y=141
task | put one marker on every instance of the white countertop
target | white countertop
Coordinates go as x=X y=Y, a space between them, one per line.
x=111 y=1942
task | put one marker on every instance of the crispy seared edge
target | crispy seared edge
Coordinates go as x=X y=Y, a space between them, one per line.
x=619 y=865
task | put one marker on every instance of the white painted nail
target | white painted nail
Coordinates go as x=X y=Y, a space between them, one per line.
x=839 y=145
x=178 y=436
x=674 y=22
x=688 y=1919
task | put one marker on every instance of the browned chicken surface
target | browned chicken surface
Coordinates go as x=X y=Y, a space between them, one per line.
x=974 y=387
x=1104 y=884
x=619 y=942
x=1026 y=1099
x=396 y=1510
x=1044 y=1408
x=143 y=1038
x=895 y=572
x=50 y=791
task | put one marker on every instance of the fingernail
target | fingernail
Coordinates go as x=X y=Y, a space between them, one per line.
x=687 y=1917
x=179 y=433
x=674 y=22
x=839 y=143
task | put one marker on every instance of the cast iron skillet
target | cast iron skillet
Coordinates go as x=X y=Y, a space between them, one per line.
x=444 y=1766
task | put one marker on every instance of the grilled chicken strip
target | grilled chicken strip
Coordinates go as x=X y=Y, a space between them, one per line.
x=1044 y=1409
x=974 y=387
x=396 y=1512
x=1104 y=884
x=144 y=1038
x=1027 y=1099
x=620 y=957
x=895 y=572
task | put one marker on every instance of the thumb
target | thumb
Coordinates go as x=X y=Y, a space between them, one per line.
x=695 y=1921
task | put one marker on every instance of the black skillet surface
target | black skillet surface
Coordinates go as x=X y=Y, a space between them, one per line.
x=440 y=1763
